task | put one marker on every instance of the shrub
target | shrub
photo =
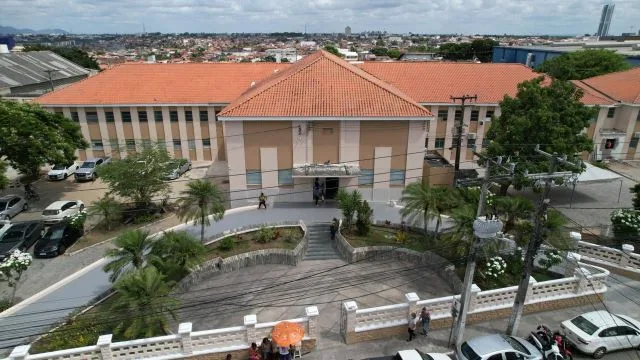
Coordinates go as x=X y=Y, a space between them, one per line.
x=626 y=224
x=552 y=257
x=291 y=236
x=265 y=234
x=76 y=222
x=363 y=219
x=4 y=304
x=226 y=244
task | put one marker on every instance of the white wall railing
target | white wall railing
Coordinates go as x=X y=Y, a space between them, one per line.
x=624 y=259
x=184 y=344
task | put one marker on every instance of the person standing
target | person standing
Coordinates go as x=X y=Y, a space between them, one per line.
x=425 y=319
x=412 y=327
x=334 y=228
x=262 y=201
x=253 y=352
x=316 y=192
x=284 y=352
x=266 y=349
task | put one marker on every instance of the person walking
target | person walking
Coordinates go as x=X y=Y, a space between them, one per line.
x=412 y=327
x=262 y=201
x=265 y=347
x=316 y=192
x=425 y=319
x=334 y=228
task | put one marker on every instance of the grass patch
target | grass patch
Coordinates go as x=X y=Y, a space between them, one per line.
x=282 y=238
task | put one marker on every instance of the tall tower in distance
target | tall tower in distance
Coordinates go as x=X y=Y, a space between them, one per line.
x=605 y=19
x=347 y=31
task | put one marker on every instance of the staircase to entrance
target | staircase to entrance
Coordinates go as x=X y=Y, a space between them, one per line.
x=320 y=244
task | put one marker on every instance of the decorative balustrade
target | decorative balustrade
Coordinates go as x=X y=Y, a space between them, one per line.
x=494 y=299
x=185 y=344
x=439 y=307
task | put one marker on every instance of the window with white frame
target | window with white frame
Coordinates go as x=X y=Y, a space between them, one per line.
x=126 y=116
x=206 y=143
x=177 y=144
x=97 y=145
x=254 y=177
x=192 y=144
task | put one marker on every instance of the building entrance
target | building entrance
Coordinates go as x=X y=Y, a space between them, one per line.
x=328 y=186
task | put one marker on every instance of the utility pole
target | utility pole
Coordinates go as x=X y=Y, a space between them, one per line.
x=539 y=232
x=483 y=228
x=49 y=72
x=463 y=99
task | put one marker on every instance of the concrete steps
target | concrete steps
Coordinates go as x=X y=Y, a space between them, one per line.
x=320 y=244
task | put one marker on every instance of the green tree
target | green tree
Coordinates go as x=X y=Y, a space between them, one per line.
x=584 y=64
x=139 y=176
x=72 y=54
x=200 y=200
x=349 y=203
x=380 y=42
x=394 y=53
x=380 y=51
x=268 y=58
x=4 y=181
x=511 y=209
x=423 y=202
x=364 y=218
x=31 y=137
x=143 y=304
x=547 y=114
x=482 y=49
x=131 y=249
x=635 y=190
x=284 y=60
x=332 y=49
x=108 y=208
x=175 y=254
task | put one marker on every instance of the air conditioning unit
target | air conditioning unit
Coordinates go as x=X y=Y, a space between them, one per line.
x=636 y=135
x=486 y=120
x=471 y=136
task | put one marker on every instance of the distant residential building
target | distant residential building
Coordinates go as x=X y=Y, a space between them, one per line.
x=27 y=75
x=348 y=55
x=308 y=44
x=417 y=57
x=605 y=19
x=347 y=31
x=7 y=40
x=290 y=54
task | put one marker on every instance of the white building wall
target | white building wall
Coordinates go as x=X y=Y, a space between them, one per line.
x=182 y=127
x=135 y=124
x=151 y=118
x=415 y=151
x=168 y=136
x=236 y=162
x=197 y=133
x=122 y=144
x=84 y=128
x=349 y=150
x=104 y=131
x=381 y=173
x=211 y=111
x=302 y=136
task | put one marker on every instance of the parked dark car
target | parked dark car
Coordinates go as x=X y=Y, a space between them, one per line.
x=56 y=240
x=20 y=236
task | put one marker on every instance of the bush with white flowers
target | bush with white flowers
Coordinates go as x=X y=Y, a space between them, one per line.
x=12 y=268
x=494 y=267
x=551 y=257
x=626 y=222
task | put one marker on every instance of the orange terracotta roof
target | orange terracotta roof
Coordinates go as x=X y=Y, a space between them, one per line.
x=623 y=86
x=323 y=85
x=592 y=96
x=435 y=82
x=193 y=83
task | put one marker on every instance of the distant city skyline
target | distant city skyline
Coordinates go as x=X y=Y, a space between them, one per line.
x=549 y=17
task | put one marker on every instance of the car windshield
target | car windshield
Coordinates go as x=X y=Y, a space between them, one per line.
x=424 y=356
x=468 y=352
x=584 y=325
x=88 y=165
x=54 y=234
x=50 y=212
x=3 y=205
x=516 y=345
x=11 y=236
x=59 y=167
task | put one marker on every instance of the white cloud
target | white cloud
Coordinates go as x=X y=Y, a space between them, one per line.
x=418 y=16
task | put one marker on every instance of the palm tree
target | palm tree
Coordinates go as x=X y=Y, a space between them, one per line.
x=131 y=249
x=108 y=208
x=512 y=209
x=460 y=238
x=143 y=303
x=423 y=202
x=200 y=200
x=175 y=254
x=349 y=203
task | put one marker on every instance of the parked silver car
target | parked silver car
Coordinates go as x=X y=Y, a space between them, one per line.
x=87 y=171
x=498 y=347
x=178 y=167
x=12 y=205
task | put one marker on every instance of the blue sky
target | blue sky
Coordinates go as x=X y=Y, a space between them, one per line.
x=399 y=16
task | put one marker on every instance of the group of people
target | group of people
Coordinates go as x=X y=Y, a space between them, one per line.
x=269 y=350
x=424 y=320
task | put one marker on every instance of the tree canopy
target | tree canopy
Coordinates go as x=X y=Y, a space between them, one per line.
x=72 y=54
x=549 y=114
x=584 y=64
x=31 y=137
x=332 y=49
x=480 y=48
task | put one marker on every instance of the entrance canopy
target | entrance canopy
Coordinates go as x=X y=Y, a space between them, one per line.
x=325 y=170
x=593 y=174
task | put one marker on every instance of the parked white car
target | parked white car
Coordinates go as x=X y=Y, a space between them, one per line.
x=59 y=210
x=414 y=354
x=599 y=332
x=61 y=172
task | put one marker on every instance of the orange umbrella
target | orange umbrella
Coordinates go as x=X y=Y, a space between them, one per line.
x=286 y=333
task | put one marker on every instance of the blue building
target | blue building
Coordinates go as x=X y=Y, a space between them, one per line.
x=7 y=40
x=533 y=56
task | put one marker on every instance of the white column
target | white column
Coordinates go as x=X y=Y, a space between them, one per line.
x=415 y=151
x=448 y=135
x=312 y=317
x=432 y=130
x=349 y=149
x=104 y=344
x=269 y=169
x=466 y=121
x=122 y=144
x=135 y=124
x=197 y=133
x=381 y=173
x=184 y=331
x=84 y=128
x=20 y=352
x=151 y=123
x=349 y=320
x=412 y=301
x=236 y=158
x=213 y=133
x=168 y=136
x=182 y=126
x=250 y=322
x=104 y=131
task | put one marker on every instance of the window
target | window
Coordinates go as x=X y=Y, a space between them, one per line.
x=177 y=144
x=97 y=145
x=512 y=355
x=612 y=331
x=147 y=143
x=109 y=116
x=126 y=116
x=131 y=144
x=634 y=142
x=142 y=116
x=426 y=143
x=439 y=143
x=254 y=177
x=396 y=177
x=585 y=325
x=475 y=114
x=285 y=177
x=157 y=114
x=74 y=116
x=206 y=143
x=204 y=115
x=468 y=352
x=638 y=117
x=471 y=143
x=366 y=177
x=495 y=357
x=188 y=115
x=162 y=143
x=173 y=116
x=443 y=114
x=458 y=115
x=192 y=144
x=92 y=117
x=485 y=142
x=115 y=145
x=489 y=113
x=611 y=112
